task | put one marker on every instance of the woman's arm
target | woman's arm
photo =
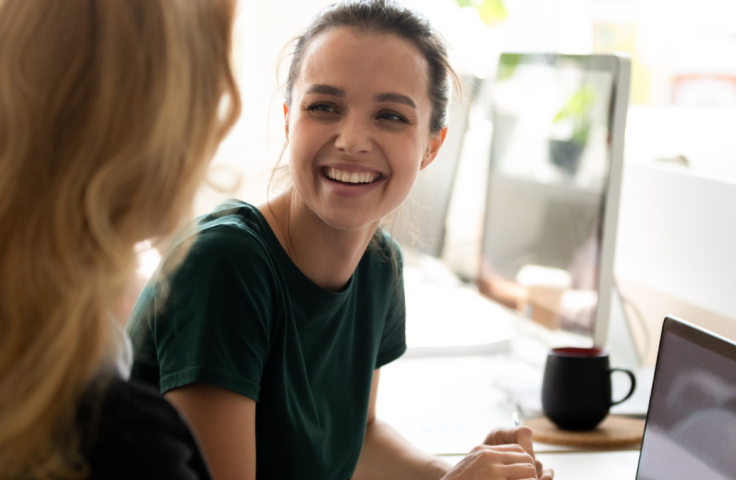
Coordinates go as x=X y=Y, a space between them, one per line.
x=386 y=455
x=225 y=425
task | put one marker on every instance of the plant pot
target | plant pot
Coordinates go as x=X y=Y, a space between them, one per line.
x=566 y=155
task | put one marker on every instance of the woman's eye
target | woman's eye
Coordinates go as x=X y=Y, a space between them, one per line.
x=393 y=117
x=321 y=108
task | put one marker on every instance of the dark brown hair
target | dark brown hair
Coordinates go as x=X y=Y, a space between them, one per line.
x=382 y=17
x=386 y=17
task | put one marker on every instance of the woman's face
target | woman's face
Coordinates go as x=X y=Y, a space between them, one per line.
x=358 y=126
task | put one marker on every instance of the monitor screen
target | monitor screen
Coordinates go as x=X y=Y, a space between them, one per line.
x=550 y=185
x=691 y=426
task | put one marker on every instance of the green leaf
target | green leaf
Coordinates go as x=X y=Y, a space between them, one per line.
x=491 y=12
x=577 y=110
x=507 y=66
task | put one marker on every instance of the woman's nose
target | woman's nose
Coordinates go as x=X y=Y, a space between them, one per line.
x=354 y=136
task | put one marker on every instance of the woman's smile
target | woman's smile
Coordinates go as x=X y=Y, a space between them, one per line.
x=350 y=177
x=350 y=181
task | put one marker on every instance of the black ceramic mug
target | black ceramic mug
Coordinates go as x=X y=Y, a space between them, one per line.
x=576 y=390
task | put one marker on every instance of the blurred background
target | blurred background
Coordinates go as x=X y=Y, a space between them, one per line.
x=683 y=99
x=676 y=229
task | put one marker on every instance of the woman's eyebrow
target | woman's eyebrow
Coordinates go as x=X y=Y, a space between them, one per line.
x=394 y=97
x=321 y=88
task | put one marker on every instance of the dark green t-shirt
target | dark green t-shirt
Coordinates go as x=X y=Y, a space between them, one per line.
x=240 y=315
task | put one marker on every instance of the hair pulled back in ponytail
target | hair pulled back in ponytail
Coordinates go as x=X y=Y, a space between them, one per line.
x=386 y=17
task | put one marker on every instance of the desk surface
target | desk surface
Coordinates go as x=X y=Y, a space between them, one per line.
x=446 y=405
x=586 y=465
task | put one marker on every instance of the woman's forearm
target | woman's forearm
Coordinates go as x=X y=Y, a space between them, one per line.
x=386 y=455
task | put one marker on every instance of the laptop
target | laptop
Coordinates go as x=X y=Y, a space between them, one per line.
x=690 y=431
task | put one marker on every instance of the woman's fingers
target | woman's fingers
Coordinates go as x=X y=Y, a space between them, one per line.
x=504 y=461
x=518 y=435
x=539 y=467
x=514 y=472
x=499 y=462
x=547 y=474
x=512 y=452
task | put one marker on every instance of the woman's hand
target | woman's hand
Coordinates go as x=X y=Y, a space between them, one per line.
x=507 y=462
x=521 y=436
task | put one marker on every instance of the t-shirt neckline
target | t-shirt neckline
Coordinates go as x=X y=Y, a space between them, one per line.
x=302 y=281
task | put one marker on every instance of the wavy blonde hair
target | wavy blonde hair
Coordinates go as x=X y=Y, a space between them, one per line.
x=109 y=113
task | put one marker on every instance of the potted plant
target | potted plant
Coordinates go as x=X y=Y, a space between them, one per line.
x=575 y=117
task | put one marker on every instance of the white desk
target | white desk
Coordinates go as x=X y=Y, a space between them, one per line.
x=447 y=405
x=586 y=465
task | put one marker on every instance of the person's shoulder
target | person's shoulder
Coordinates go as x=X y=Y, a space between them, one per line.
x=138 y=402
x=131 y=407
x=233 y=228
x=234 y=234
x=232 y=212
x=382 y=264
x=139 y=434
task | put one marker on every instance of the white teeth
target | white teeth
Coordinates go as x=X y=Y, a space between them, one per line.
x=350 y=177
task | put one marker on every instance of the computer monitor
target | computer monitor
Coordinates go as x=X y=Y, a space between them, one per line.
x=553 y=188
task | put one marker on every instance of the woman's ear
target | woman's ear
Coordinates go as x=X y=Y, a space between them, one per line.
x=434 y=147
x=286 y=121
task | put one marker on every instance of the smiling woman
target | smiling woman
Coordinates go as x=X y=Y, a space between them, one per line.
x=284 y=304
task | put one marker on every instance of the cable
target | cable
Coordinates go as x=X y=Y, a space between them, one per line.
x=639 y=318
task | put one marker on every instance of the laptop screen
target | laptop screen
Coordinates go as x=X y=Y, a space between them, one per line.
x=691 y=426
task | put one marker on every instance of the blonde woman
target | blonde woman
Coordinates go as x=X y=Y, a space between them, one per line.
x=109 y=113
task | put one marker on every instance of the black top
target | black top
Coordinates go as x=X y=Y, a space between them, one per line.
x=131 y=432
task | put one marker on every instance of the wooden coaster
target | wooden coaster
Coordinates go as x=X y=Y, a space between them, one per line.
x=614 y=431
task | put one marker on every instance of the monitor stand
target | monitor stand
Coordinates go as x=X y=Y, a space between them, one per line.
x=621 y=344
x=446 y=317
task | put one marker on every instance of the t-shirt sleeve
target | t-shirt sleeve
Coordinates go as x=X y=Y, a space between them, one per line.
x=215 y=324
x=393 y=339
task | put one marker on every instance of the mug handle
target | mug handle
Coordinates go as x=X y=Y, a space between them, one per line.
x=633 y=383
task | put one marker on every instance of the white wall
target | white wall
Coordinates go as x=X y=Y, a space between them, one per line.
x=705 y=135
x=677 y=232
x=676 y=248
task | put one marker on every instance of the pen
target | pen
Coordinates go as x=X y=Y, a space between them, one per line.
x=515 y=417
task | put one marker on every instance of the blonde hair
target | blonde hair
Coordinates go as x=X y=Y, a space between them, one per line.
x=109 y=113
